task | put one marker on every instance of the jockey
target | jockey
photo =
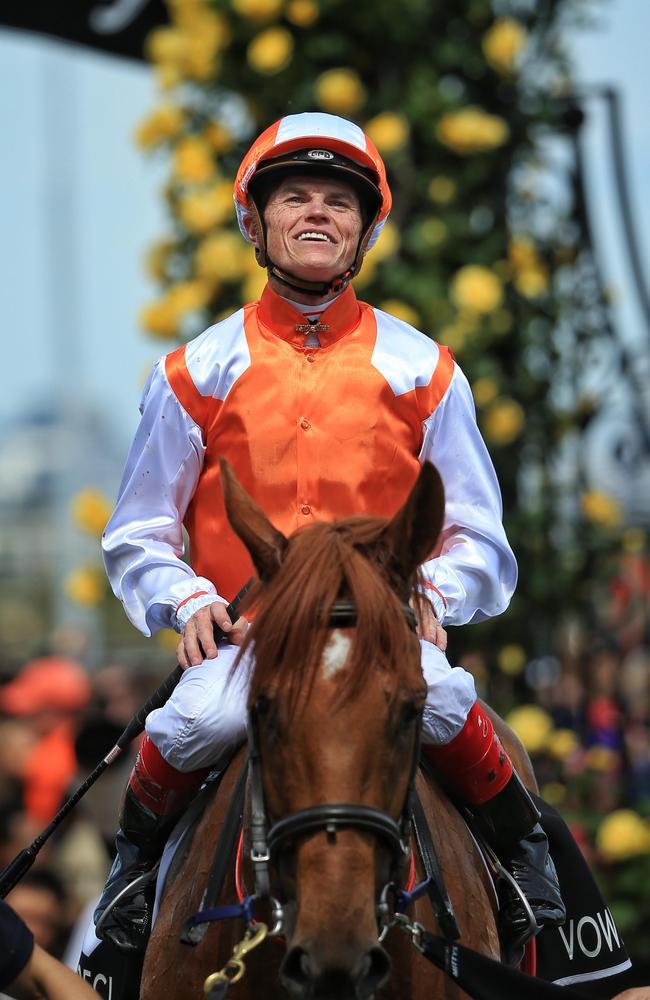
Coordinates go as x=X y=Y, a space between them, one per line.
x=324 y=406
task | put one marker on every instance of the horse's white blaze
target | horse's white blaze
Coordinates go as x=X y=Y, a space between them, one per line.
x=335 y=653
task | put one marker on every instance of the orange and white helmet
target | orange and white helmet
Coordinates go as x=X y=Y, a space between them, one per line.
x=325 y=144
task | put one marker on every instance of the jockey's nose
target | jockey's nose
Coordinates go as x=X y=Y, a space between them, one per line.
x=302 y=977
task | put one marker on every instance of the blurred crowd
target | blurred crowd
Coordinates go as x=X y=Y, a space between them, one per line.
x=57 y=721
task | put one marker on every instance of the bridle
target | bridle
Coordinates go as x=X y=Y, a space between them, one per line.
x=268 y=839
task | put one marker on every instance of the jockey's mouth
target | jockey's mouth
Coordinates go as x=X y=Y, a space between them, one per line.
x=316 y=236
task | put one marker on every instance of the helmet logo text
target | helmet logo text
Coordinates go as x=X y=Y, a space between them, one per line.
x=320 y=154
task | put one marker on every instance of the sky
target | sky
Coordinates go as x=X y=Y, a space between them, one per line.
x=79 y=204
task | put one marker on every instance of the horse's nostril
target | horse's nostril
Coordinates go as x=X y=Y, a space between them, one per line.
x=295 y=972
x=376 y=970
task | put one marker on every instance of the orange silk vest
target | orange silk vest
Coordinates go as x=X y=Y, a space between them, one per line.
x=311 y=433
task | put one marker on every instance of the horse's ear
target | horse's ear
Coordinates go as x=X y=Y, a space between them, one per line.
x=409 y=538
x=266 y=545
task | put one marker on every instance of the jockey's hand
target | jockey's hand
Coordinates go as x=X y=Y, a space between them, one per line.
x=197 y=642
x=429 y=628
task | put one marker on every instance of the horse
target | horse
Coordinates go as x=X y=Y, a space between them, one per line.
x=336 y=695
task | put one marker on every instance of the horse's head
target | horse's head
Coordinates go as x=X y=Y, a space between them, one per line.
x=336 y=699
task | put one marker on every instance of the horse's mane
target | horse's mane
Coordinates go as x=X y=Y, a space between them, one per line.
x=322 y=562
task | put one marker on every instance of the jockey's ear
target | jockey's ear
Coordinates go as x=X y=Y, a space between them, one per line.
x=266 y=545
x=410 y=537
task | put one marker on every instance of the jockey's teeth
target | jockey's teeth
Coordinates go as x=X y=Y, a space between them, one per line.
x=315 y=236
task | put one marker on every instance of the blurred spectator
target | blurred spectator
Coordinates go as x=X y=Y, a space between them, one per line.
x=48 y=695
x=28 y=971
x=40 y=900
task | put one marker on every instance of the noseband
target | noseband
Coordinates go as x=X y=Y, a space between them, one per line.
x=267 y=839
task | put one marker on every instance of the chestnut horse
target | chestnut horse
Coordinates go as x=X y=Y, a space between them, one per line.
x=337 y=708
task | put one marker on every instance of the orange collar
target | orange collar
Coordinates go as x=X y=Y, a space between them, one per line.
x=285 y=321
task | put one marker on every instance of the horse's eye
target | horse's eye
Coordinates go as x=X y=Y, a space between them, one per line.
x=411 y=712
x=263 y=706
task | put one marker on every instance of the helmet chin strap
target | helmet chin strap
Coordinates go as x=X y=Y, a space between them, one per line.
x=316 y=288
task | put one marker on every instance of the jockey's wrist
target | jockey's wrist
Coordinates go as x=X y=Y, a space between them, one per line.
x=194 y=603
x=436 y=597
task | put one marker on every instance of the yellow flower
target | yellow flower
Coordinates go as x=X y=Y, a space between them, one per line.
x=504 y=421
x=433 y=231
x=503 y=45
x=501 y=321
x=163 y=318
x=368 y=271
x=222 y=257
x=160 y=319
x=193 y=162
x=511 y=659
x=454 y=335
x=168 y=76
x=270 y=51
x=554 y=792
x=441 y=189
x=485 y=390
x=476 y=288
x=218 y=137
x=165 y=46
x=257 y=10
x=200 y=61
x=562 y=743
x=601 y=508
x=472 y=130
x=401 y=310
x=604 y=759
x=302 y=13
x=634 y=540
x=254 y=285
x=532 y=725
x=167 y=639
x=91 y=510
x=388 y=131
x=201 y=211
x=388 y=242
x=522 y=253
x=157 y=257
x=622 y=835
x=85 y=586
x=532 y=282
x=164 y=123
x=339 y=91
x=187 y=296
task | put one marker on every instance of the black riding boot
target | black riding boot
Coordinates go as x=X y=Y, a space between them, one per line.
x=509 y=823
x=140 y=842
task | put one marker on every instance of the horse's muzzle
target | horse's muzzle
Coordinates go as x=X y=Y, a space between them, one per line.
x=304 y=978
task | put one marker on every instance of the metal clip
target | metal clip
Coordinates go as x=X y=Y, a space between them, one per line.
x=234 y=968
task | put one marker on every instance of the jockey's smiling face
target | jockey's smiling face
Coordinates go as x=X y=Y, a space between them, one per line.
x=313 y=226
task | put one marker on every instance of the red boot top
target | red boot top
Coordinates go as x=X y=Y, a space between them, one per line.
x=474 y=764
x=163 y=789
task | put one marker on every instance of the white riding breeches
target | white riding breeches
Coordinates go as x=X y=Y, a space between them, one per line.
x=205 y=717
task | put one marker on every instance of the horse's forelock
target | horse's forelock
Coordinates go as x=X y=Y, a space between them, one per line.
x=323 y=562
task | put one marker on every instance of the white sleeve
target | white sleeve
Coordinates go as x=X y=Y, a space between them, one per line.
x=143 y=542
x=473 y=573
